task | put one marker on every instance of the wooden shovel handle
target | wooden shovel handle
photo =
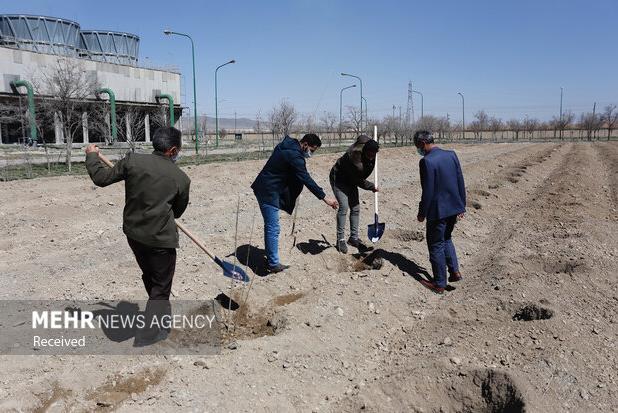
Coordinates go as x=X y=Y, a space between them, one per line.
x=178 y=224
x=194 y=239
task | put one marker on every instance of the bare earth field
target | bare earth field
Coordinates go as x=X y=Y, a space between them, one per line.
x=532 y=327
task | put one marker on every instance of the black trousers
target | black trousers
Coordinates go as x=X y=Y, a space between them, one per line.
x=158 y=266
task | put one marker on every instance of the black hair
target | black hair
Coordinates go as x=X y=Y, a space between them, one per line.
x=371 y=146
x=312 y=140
x=423 y=136
x=165 y=138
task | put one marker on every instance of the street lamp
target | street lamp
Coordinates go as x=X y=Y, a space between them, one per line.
x=416 y=91
x=463 y=116
x=366 y=115
x=340 y=107
x=560 y=112
x=168 y=32
x=361 y=94
x=217 y=103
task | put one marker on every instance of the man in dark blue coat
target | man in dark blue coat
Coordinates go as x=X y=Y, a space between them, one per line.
x=442 y=202
x=279 y=184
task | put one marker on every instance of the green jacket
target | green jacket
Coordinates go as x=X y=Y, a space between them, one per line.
x=156 y=192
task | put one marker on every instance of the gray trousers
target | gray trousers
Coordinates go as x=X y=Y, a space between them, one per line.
x=347 y=196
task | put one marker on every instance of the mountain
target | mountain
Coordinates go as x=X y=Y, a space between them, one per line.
x=224 y=123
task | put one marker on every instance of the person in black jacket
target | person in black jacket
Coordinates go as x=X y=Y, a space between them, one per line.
x=279 y=184
x=156 y=192
x=349 y=173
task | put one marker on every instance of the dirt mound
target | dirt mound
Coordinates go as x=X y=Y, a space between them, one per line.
x=532 y=312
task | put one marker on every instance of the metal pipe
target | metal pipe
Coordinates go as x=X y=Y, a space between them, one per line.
x=30 y=93
x=197 y=141
x=361 y=95
x=170 y=101
x=112 y=103
x=340 y=107
x=366 y=114
x=217 y=103
x=463 y=116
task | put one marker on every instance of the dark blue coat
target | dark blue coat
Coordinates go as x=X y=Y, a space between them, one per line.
x=444 y=192
x=282 y=178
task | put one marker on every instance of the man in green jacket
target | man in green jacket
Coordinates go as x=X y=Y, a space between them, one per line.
x=156 y=192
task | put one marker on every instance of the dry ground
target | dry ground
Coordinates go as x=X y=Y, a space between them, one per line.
x=531 y=328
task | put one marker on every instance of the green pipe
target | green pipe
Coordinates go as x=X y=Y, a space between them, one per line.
x=112 y=102
x=170 y=101
x=22 y=83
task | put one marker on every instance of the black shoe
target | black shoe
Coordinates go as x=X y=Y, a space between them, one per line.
x=142 y=340
x=278 y=268
x=357 y=243
x=342 y=247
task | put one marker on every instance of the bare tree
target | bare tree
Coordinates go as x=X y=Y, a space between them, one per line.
x=283 y=118
x=589 y=122
x=388 y=126
x=559 y=124
x=610 y=118
x=259 y=128
x=69 y=85
x=480 y=124
x=530 y=125
x=516 y=126
x=328 y=122
x=354 y=118
x=495 y=125
x=309 y=124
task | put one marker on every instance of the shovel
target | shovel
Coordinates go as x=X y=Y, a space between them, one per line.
x=375 y=230
x=229 y=270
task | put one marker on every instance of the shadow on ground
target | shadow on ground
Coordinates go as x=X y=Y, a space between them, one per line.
x=252 y=257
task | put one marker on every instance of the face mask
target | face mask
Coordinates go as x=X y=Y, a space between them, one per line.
x=421 y=151
x=308 y=154
x=175 y=157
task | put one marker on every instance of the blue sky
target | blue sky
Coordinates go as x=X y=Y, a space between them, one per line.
x=509 y=58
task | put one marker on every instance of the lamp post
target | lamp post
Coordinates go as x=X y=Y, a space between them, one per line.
x=366 y=115
x=168 y=33
x=422 y=104
x=361 y=95
x=463 y=116
x=217 y=103
x=561 y=90
x=340 y=107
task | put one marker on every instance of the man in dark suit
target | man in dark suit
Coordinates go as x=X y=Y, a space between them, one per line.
x=279 y=184
x=442 y=202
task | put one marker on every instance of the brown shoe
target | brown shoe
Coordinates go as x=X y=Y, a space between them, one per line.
x=431 y=286
x=454 y=277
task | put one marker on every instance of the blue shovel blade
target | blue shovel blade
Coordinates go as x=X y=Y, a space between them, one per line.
x=232 y=271
x=375 y=230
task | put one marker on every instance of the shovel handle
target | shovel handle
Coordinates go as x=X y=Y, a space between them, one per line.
x=194 y=239
x=375 y=171
x=178 y=224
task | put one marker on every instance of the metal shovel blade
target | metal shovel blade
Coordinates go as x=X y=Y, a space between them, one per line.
x=232 y=271
x=375 y=230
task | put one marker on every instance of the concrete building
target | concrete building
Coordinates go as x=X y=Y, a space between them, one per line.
x=30 y=45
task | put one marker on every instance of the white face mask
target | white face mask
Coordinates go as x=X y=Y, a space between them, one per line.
x=175 y=157
x=308 y=154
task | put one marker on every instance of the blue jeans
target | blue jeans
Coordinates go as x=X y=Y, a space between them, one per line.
x=442 y=253
x=271 y=232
